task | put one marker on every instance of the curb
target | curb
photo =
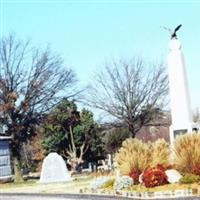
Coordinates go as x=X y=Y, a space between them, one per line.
x=180 y=194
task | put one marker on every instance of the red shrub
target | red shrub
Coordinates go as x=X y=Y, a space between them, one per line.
x=154 y=176
x=161 y=167
x=197 y=170
x=135 y=176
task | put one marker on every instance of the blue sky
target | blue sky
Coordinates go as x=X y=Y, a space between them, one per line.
x=89 y=33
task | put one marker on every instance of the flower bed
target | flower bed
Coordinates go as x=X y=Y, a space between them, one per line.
x=146 y=171
x=140 y=191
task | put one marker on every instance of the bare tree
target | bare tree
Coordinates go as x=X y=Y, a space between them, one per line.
x=132 y=92
x=71 y=152
x=31 y=82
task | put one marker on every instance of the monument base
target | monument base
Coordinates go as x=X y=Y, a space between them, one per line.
x=175 y=131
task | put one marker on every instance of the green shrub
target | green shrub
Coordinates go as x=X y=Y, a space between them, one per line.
x=109 y=184
x=190 y=178
x=100 y=182
x=123 y=182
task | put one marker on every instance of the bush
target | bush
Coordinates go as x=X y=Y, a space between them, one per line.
x=197 y=170
x=190 y=178
x=109 y=183
x=187 y=153
x=135 y=176
x=123 y=182
x=160 y=153
x=135 y=156
x=154 y=176
x=100 y=182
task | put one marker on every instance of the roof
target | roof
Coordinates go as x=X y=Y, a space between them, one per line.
x=5 y=137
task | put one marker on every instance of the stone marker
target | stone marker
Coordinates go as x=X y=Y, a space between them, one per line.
x=173 y=176
x=54 y=169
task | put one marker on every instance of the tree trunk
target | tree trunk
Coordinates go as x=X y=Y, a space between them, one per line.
x=17 y=170
x=131 y=130
x=74 y=165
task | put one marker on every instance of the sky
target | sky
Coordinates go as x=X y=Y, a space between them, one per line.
x=89 y=33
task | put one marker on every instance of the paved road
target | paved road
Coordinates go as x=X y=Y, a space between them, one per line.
x=54 y=197
x=72 y=197
x=32 y=198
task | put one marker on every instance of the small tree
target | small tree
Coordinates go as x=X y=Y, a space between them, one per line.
x=58 y=126
x=130 y=92
x=30 y=84
x=69 y=132
x=32 y=153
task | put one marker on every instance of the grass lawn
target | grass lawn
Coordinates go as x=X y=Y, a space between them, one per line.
x=34 y=187
x=80 y=183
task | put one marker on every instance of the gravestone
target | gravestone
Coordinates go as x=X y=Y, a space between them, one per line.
x=54 y=169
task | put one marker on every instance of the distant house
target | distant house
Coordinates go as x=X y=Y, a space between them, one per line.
x=152 y=131
x=155 y=130
x=5 y=164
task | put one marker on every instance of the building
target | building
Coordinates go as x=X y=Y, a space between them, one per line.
x=5 y=162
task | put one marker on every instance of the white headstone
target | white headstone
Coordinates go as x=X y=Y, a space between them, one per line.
x=54 y=169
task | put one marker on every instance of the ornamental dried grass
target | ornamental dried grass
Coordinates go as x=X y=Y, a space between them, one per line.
x=187 y=152
x=160 y=153
x=134 y=155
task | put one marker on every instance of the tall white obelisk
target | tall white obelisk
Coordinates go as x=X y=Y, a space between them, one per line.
x=181 y=112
